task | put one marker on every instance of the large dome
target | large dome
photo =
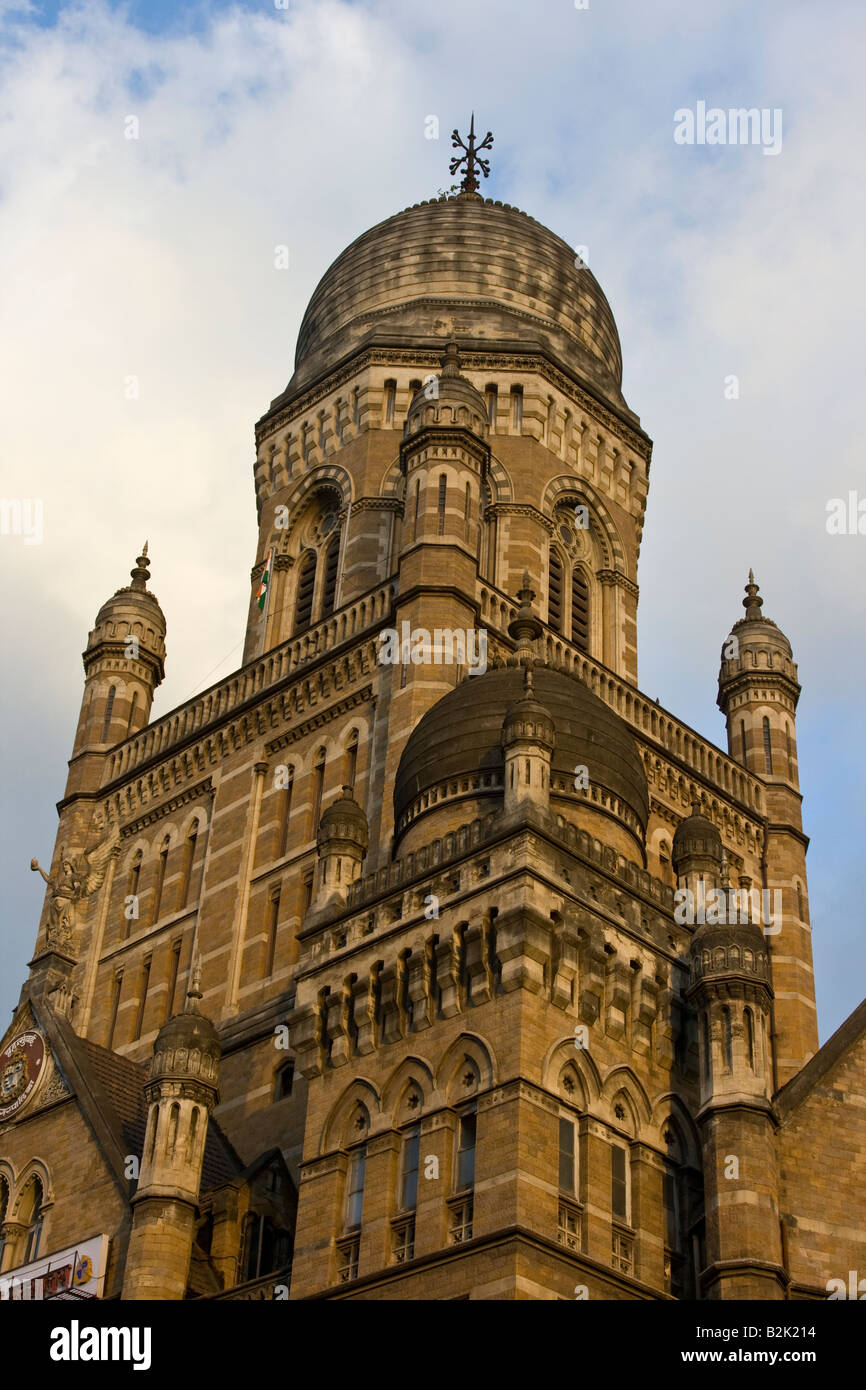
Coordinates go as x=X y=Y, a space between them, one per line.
x=466 y=266
x=455 y=749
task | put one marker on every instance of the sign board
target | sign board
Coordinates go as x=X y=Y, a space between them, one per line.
x=77 y=1272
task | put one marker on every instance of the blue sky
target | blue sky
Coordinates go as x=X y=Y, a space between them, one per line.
x=262 y=126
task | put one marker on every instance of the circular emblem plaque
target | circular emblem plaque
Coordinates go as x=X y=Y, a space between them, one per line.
x=22 y=1064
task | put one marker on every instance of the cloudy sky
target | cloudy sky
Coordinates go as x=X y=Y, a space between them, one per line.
x=262 y=125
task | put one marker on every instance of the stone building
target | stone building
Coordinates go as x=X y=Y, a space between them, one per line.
x=425 y=956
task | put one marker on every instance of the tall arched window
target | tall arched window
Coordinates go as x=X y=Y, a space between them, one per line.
x=790 y=745
x=132 y=708
x=329 y=592
x=173 y=1121
x=109 y=707
x=285 y=795
x=708 y=1047
x=728 y=1038
x=316 y=790
x=579 y=609
x=144 y=985
x=554 y=591
x=186 y=866
x=768 y=748
x=30 y=1216
x=749 y=1031
x=443 y=494
x=306 y=587
x=416 y=508
x=801 y=902
x=743 y=740
x=161 y=865
x=350 y=762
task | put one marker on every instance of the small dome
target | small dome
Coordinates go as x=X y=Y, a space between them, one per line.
x=528 y=720
x=456 y=748
x=133 y=611
x=507 y=278
x=755 y=646
x=343 y=820
x=188 y=1044
x=734 y=948
x=449 y=400
x=696 y=838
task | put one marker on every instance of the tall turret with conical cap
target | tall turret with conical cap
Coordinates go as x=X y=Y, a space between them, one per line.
x=124 y=662
x=758 y=695
x=181 y=1093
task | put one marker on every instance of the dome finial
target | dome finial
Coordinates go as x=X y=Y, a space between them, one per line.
x=193 y=994
x=525 y=628
x=451 y=360
x=470 y=159
x=141 y=573
x=752 y=603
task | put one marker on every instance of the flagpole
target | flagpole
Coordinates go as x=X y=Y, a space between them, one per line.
x=269 y=570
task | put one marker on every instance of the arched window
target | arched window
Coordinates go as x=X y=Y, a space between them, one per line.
x=161 y=865
x=620 y=1184
x=355 y=1187
x=132 y=708
x=743 y=740
x=316 y=790
x=350 y=762
x=415 y=510
x=284 y=1081
x=790 y=744
x=192 y=1137
x=443 y=494
x=491 y=394
x=109 y=706
x=134 y=875
x=801 y=902
x=173 y=1120
x=517 y=409
x=389 y=404
x=579 y=609
x=265 y=1248
x=728 y=1038
x=173 y=968
x=567 y=1156
x=285 y=795
x=409 y=1169
x=554 y=592
x=768 y=748
x=31 y=1217
x=187 y=865
x=272 y=928
x=329 y=593
x=749 y=1031
x=467 y=502
x=466 y=1150
x=708 y=1047
x=306 y=587
x=144 y=985
x=115 y=1004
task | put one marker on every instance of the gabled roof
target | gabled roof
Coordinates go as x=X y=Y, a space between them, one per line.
x=800 y=1087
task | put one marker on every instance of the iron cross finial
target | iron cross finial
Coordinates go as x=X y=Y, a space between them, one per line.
x=470 y=159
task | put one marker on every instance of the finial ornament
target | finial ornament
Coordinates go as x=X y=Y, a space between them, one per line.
x=470 y=159
x=141 y=573
x=451 y=360
x=193 y=994
x=752 y=602
x=525 y=628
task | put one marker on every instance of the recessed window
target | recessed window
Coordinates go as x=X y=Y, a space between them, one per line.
x=466 y=1151
x=284 y=1081
x=306 y=587
x=355 y=1187
x=566 y=1156
x=109 y=708
x=409 y=1169
x=768 y=748
x=619 y=1183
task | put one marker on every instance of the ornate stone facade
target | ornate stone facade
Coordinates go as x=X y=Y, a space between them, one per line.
x=457 y=1036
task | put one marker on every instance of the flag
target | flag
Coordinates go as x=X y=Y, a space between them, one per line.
x=261 y=596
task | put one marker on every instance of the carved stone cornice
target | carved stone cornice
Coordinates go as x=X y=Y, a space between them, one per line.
x=376 y=504
x=166 y=808
x=497 y=509
x=620 y=579
x=505 y=362
x=335 y=711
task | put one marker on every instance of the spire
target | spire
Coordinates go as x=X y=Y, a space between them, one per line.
x=470 y=159
x=525 y=628
x=141 y=573
x=752 y=603
x=193 y=994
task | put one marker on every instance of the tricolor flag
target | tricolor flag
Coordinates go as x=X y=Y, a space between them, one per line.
x=265 y=580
